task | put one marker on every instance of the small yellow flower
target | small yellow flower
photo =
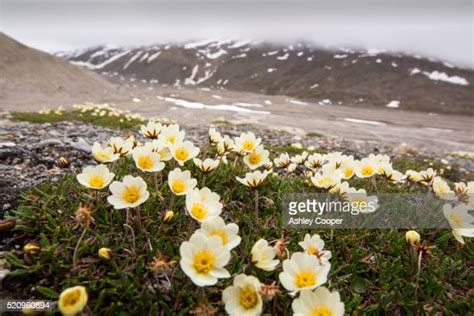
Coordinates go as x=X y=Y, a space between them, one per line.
x=31 y=248
x=412 y=237
x=168 y=216
x=72 y=300
x=105 y=253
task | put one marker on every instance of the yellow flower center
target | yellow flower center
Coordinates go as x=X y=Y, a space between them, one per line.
x=204 y=261
x=222 y=234
x=456 y=219
x=171 y=139
x=305 y=279
x=145 y=162
x=248 y=145
x=96 y=182
x=181 y=153
x=380 y=170
x=348 y=172
x=178 y=186
x=313 y=250
x=71 y=298
x=325 y=181
x=101 y=156
x=321 y=311
x=255 y=158
x=199 y=211
x=367 y=171
x=248 y=297
x=131 y=194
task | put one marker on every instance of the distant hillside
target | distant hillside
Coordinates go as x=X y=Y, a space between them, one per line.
x=347 y=77
x=28 y=75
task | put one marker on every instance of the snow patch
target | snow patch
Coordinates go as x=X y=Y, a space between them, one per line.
x=340 y=56
x=353 y=120
x=393 y=104
x=442 y=76
x=297 y=102
x=271 y=70
x=284 y=57
x=201 y=106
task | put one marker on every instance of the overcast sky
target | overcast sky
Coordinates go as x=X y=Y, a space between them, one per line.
x=436 y=28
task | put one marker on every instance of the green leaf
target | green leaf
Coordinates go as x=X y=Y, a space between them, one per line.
x=47 y=292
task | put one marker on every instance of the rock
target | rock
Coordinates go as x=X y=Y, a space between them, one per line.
x=7 y=144
x=50 y=141
x=82 y=144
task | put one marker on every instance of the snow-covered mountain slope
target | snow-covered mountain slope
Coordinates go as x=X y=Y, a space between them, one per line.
x=342 y=76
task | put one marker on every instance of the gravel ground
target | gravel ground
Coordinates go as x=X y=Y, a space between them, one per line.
x=28 y=152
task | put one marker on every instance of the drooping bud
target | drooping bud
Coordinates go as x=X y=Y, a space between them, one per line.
x=412 y=237
x=63 y=162
x=105 y=253
x=32 y=248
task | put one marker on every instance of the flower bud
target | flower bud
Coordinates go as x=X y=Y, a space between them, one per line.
x=105 y=253
x=6 y=225
x=63 y=162
x=168 y=216
x=412 y=237
x=32 y=248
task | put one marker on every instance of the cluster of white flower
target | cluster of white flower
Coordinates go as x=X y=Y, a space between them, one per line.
x=206 y=253
x=45 y=110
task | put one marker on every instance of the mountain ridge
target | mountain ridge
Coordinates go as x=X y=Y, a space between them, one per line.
x=340 y=76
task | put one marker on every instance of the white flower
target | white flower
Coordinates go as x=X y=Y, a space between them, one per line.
x=160 y=148
x=247 y=142
x=263 y=256
x=257 y=158
x=254 y=179
x=151 y=130
x=217 y=227
x=131 y=192
x=366 y=168
x=282 y=161
x=361 y=202
x=103 y=155
x=314 y=161
x=326 y=179
x=147 y=160
x=413 y=176
x=291 y=168
x=442 y=189
x=387 y=171
x=180 y=182
x=303 y=271
x=340 y=189
x=206 y=166
x=225 y=145
x=95 y=177
x=300 y=159
x=121 y=146
x=460 y=220
x=183 y=151
x=203 y=259
x=427 y=175
x=203 y=204
x=242 y=298
x=319 y=302
x=214 y=136
x=297 y=145
x=314 y=245
x=171 y=135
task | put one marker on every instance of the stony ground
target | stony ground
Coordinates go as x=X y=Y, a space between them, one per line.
x=29 y=152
